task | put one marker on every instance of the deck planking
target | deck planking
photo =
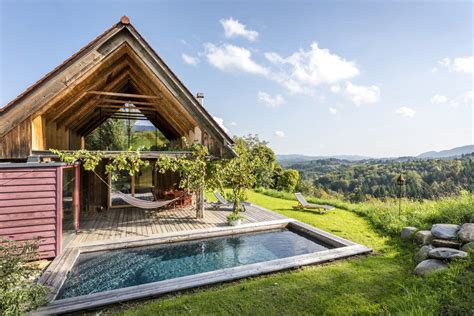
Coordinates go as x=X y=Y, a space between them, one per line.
x=118 y=223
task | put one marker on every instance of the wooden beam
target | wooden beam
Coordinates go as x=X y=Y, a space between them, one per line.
x=98 y=79
x=123 y=102
x=117 y=84
x=37 y=133
x=66 y=118
x=124 y=95
x=140 y=108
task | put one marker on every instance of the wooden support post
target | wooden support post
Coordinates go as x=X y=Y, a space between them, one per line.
x=200 y=202
x=59 y=210
x=76 y=198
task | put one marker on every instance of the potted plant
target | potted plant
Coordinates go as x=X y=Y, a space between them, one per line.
x=234 y=218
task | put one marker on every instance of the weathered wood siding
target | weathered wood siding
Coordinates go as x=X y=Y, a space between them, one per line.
x=29 y=207
x=17 y=142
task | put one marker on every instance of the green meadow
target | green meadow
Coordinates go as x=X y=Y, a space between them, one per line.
x=380 y=283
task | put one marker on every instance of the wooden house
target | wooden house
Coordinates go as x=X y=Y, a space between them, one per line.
x=41 y=197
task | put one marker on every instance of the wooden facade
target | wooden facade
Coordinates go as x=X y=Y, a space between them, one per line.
x=117 y=73
x=31 y=204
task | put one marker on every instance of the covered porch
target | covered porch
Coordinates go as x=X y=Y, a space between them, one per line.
x=133 y=223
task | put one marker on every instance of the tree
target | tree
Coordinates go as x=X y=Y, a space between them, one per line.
x=240 y=172
x=265 y=160
x=288 y=180
x=111 y=135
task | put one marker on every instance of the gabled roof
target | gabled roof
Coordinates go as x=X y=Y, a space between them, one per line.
x=122 y=39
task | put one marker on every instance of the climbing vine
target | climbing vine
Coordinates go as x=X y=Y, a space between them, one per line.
x=129 y=160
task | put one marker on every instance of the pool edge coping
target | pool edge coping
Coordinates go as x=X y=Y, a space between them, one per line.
x=55 y=276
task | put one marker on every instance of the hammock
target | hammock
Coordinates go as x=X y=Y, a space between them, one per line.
x=143 y=203
x=139 y=202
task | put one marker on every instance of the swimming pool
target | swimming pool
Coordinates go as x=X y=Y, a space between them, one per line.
x=94 y=275
x=110 y=270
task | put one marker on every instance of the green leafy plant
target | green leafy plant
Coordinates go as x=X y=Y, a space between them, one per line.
x=18 y=290
x=234 y=216
x=128 y=160
x=240 y=173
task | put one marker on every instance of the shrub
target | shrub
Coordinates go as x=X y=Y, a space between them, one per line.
x=18 y=290
x=288 y=180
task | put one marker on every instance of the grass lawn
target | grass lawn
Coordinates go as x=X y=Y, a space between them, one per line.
x=379 y=283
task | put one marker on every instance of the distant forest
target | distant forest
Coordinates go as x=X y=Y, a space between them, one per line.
x=358 y=181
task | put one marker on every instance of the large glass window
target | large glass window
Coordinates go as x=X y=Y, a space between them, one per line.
x=144 y=184
x=68 y=207
x=140 y=186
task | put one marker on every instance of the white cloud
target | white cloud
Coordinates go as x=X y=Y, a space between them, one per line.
x=233 y=58
x=183 y=42
x=460 y=64
x=335 y=88
x=362 y=94
x=233 y=28
x=233 y=124
x=445 y=62
x=434 y=70
x=268 y=100
x=190 y=60
x=468 y=97
x=220 y=122
x=437 y=98
x=304 y=70
x=405 y=111
x=453 y=103
x=279 y=134
x=333 y=111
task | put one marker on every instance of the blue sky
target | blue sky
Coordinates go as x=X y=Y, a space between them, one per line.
x=320 y=78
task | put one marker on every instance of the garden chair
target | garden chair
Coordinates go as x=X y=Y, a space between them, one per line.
x=303 y=204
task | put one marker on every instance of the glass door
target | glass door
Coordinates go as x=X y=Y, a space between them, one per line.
x=69 y=205
x=140 y=186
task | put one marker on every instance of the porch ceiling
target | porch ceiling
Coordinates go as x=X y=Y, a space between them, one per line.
x=122 y=78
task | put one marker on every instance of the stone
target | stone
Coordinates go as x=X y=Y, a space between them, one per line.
x=422 y=254
x=468 y=246
x=466 y=233
x=408 y=232
x=445 y=231
x=430 y=266
x=446 y=243
x=446 y=253
x=423 y=237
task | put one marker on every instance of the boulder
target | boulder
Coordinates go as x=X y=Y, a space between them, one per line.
x=468 y=246
x=422 y=254
x=446 y=243
x=445 y=231
x=446 y=253
x=466 y=233
x=423 y=237
x=429 y=266
x=408 y=232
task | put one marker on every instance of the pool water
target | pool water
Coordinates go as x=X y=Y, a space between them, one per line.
x=108 y=270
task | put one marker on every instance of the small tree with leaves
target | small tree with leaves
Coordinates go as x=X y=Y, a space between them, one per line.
x=19 y=292
x=240 y=174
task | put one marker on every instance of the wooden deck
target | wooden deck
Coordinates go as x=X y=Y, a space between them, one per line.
x=123 y=223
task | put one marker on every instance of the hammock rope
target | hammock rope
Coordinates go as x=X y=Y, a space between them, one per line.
x=143 y=204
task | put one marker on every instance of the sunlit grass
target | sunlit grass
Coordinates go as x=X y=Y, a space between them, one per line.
x=382 y=283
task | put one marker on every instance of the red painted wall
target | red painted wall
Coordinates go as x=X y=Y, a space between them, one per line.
x=30 y=205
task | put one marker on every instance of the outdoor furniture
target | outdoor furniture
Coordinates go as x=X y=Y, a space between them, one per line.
x=221 y=201
x=302 y=204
